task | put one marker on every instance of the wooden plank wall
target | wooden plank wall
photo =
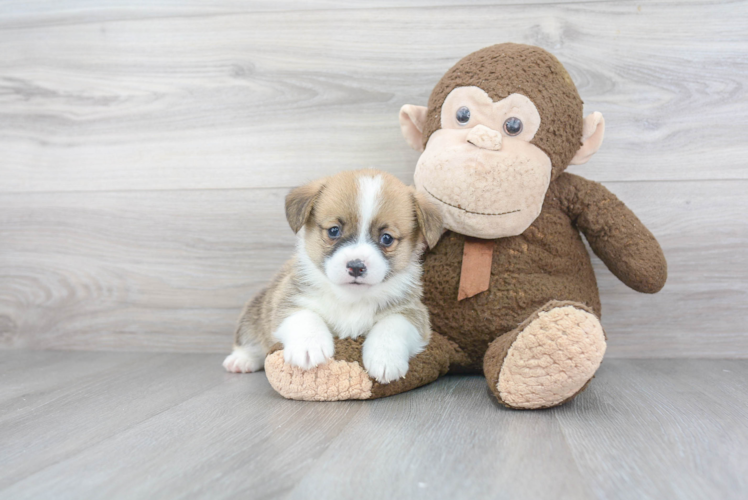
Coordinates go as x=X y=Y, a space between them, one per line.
x=146 y=147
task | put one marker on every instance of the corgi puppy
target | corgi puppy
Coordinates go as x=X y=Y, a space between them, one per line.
x=356 y=271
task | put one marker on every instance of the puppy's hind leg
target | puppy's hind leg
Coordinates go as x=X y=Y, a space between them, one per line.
x=249 y=354
x=246 y=358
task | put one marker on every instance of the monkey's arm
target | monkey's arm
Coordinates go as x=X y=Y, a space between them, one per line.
x=615 y=234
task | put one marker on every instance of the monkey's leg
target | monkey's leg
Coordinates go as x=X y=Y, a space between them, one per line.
x=345 y=377
x=548 y=359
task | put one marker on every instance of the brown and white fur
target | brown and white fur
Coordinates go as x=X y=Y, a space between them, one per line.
x=346 y=283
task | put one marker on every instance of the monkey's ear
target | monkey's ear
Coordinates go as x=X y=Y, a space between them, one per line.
x=412 y=120
x=299 y=203
x=592 y=138
x=429 y=219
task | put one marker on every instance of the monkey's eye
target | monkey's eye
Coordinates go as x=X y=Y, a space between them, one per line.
x=334 y=232
x=463 y=115
x=513 y=126
x=386 y=240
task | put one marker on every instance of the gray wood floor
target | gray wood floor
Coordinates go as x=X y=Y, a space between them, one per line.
x=141 y=425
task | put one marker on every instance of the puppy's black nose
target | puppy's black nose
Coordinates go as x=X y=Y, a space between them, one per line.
x=356 y=268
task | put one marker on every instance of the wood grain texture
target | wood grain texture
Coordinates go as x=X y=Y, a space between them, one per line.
x=644 y=429
x=53 y=371
x=170 y=271
x=35 y=12
x=660 y=420
x=147 y=146
x=704 y=233
x=256 y=443
x=406 y=446
x=268 y=99
x=146 y=270
x=90 y=410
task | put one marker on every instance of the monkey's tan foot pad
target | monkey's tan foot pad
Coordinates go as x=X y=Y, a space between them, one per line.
x=334 y=381
x=552 y=359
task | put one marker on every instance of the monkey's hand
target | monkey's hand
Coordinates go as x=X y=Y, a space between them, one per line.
x=615 y=234
x=344 y=376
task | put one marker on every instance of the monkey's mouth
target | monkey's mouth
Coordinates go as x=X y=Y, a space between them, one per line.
x=465 y=209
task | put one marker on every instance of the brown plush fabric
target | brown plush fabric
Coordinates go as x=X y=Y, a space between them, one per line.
x=547 y=262
x=509 y=68
x=615 y=234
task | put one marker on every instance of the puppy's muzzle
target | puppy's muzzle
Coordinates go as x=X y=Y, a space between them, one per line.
x=356 y=268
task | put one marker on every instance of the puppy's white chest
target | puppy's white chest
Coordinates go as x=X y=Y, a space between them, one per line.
x=345 y=320
x=352 y=321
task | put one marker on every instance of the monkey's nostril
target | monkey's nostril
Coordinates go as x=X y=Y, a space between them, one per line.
x=356 y=268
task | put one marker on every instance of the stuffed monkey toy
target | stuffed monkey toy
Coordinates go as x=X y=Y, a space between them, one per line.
x=509 y=286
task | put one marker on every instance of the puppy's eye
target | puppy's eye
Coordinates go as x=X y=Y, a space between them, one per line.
x=463 y=115
x=386 y=240
x=334 y=232
x=513 y=126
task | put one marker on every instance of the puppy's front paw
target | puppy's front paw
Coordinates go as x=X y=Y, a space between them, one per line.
x=389 y=347
x=309 y=350
x=385 y=363
x=307 y=342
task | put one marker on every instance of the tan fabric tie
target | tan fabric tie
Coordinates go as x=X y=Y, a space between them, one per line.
x=475 y=275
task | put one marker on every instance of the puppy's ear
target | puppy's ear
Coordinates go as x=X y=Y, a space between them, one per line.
x=429 y=219
x=299 y=203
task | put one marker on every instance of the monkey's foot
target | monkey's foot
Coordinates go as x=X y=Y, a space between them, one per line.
x=344 y=377
x=548 y=360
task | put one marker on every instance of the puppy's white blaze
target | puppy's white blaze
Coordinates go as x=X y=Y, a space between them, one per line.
x=369 y=194
x=389 y=346
x=369 y=201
